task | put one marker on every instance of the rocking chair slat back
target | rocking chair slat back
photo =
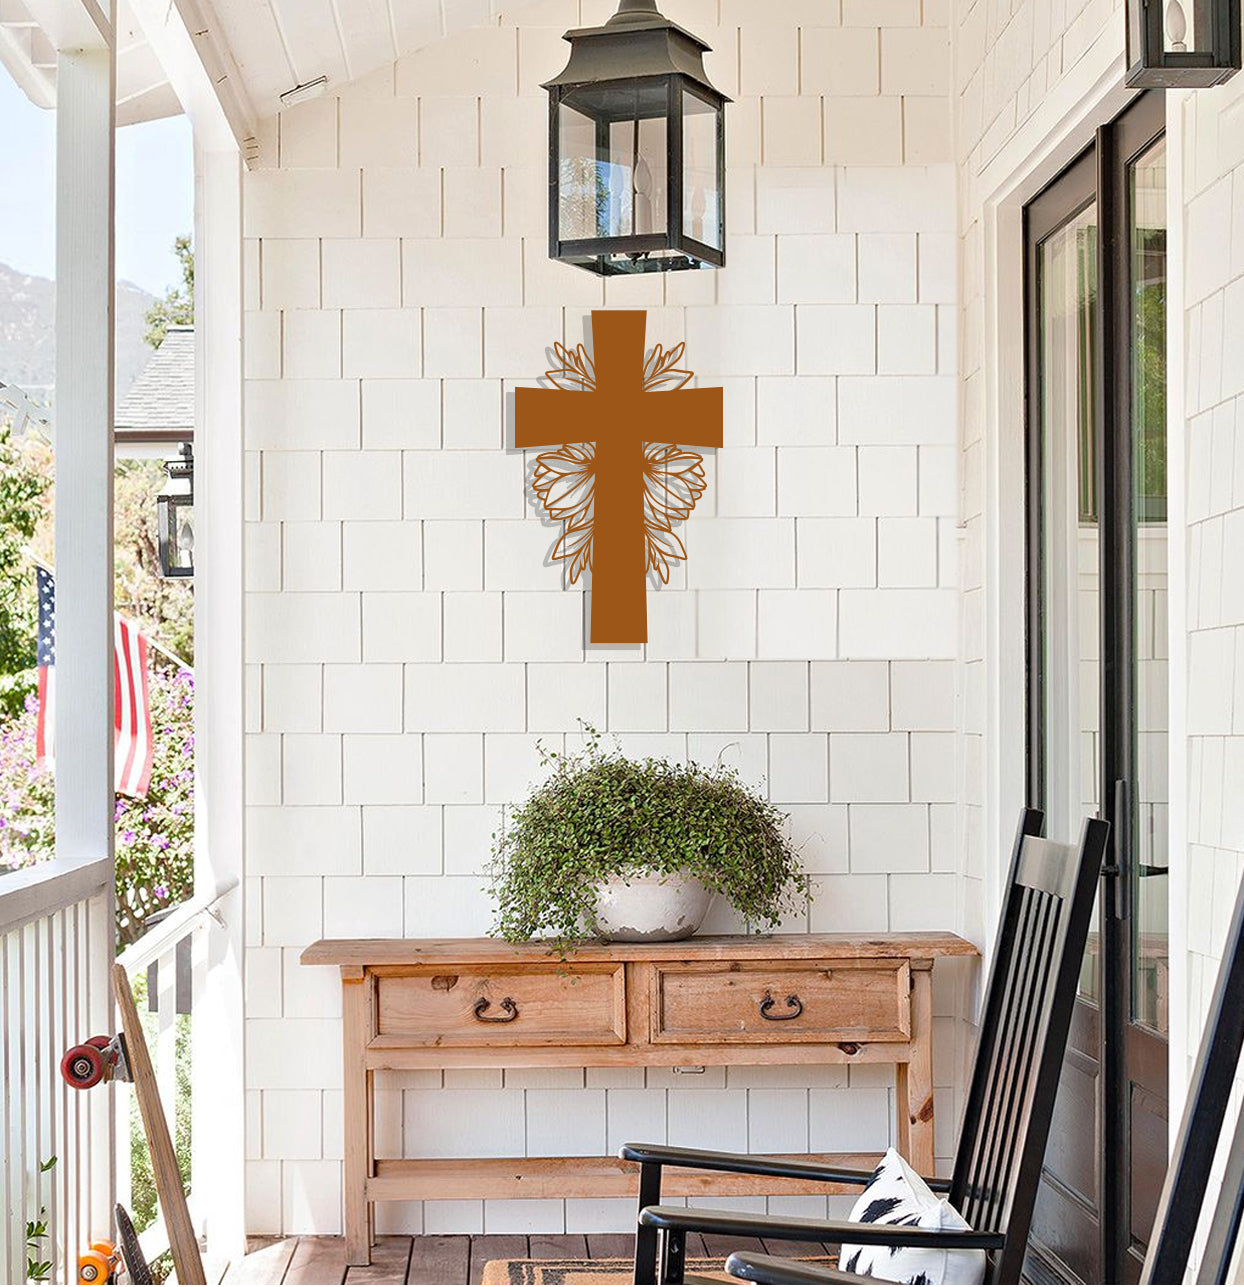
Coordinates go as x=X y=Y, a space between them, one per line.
x=1032 y=986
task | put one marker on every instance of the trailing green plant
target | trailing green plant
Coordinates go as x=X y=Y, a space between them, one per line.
x=599 y=814
x=38 y=1270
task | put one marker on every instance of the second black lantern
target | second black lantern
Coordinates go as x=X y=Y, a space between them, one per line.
x=637 y=149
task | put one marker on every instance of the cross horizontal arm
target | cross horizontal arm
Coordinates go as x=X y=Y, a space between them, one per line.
x=549 y=417
x=690 y=416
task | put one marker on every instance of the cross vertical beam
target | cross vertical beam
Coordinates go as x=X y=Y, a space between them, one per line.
x=619 y=586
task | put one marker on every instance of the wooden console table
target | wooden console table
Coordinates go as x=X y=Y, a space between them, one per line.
x=467 y=1003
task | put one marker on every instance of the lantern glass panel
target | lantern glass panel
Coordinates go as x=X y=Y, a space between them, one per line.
x=584 y=189
x=701 y=215
x=176 y=533
x=639 y=190
x=612 y=168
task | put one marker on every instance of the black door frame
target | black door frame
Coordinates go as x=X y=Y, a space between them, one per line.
x=1099 y=174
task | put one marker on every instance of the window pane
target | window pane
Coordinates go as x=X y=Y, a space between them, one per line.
x=1150 y=949
x=1070 y=591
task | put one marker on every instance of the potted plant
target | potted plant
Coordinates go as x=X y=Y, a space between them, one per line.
x=636 y=850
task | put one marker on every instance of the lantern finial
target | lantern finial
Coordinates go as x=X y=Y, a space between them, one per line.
x=633 y=11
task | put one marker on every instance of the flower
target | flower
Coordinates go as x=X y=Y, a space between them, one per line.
x=155 y=836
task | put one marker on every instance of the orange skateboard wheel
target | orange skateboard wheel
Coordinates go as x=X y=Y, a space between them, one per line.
x=82 y=1066
x=97 y=1265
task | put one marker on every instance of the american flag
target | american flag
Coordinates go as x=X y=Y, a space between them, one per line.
x=131 y=697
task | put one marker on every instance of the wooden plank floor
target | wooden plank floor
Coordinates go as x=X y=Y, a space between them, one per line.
x=454 y=1258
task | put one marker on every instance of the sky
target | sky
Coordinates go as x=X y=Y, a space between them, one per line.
x=155 y=192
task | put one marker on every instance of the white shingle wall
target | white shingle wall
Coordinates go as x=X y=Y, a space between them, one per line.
x=408 y=640
x=1213 y=178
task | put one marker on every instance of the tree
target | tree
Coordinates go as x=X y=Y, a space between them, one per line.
x=23 y=484
x=177 y=306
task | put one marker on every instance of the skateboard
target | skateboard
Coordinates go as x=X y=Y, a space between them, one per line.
x=125 y=1057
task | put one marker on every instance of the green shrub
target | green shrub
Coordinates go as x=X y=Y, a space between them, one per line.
x=142 y=1179
x=600 y=814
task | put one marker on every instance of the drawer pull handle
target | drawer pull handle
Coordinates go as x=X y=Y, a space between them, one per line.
x=509 y=1011
x=793 y=1003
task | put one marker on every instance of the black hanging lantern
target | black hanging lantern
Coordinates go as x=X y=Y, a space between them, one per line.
x=637 y=149
x=175 y=515
x=1182 y=44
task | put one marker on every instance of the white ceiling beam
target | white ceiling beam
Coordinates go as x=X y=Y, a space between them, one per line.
x=72 y=24
x=191 y=47
x=15 y=57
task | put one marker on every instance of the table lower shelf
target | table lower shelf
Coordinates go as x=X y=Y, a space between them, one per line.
x=412 y=1179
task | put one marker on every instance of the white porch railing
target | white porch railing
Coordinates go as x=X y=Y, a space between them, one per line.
x=56 y=940
x=173 y=955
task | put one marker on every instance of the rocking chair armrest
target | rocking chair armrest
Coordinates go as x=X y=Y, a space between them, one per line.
x=802 y=1229
x=756 y=1267
x=791 y=1168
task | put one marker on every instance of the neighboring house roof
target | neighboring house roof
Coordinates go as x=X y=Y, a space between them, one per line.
x=160 y=402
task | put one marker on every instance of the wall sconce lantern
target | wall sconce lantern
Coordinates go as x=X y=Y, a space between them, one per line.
x=637 y=149
x=1182 y=44
x=175 y=516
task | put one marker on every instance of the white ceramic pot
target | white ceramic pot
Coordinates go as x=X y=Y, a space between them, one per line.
x=651 y=909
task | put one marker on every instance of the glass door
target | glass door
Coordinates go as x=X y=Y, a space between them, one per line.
x=1097 y=670
x=1064 y=651
x=1146 y=985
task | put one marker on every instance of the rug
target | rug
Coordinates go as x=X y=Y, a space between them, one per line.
x=551 y=1273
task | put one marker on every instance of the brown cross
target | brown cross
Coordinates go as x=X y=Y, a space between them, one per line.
x=617 y=418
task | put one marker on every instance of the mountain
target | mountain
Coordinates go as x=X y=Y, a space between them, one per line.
x=28 y=333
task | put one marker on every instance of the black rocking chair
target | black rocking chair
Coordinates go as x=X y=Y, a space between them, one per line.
x=1027 y=1013
x=1189 y=1176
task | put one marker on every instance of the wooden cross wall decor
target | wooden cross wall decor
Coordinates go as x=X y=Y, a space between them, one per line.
x=618 y=490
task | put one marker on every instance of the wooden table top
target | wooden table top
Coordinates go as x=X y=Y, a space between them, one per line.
x=359 y=952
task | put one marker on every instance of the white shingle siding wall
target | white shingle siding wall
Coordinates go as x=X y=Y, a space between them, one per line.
x=408 y=641
x=1213 y=177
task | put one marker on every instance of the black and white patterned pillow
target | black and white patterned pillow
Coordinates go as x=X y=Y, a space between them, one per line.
x=897 y=1195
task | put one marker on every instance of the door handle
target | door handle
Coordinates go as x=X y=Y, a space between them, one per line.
x=1121 y=838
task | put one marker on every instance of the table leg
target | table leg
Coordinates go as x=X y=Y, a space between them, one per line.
x=355 y=1115
x=915 y=1079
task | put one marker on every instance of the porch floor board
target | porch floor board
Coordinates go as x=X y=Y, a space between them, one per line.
x=451 y=1258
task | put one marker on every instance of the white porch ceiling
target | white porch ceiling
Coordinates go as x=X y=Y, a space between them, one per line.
x=143 y=92
x=264 y=47
x=277 y=44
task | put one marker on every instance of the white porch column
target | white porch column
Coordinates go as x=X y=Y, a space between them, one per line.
x=84 y=541
x=219 y=1104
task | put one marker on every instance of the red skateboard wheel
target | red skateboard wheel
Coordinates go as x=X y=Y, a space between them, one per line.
x=100 y=1043
x=82 y=1066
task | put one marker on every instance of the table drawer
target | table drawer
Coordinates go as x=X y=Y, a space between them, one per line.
x=782 y=1002
x=546 y=1005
